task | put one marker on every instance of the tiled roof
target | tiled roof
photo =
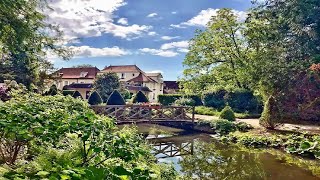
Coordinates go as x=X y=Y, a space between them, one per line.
x=78 y=73
x=138 y=88
x=123 y=68
x=142 y=78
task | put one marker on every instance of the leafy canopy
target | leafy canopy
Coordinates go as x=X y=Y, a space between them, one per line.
x=105 y=84
x=25 y=40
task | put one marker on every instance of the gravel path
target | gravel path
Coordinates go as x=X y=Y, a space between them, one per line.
x=314 y=129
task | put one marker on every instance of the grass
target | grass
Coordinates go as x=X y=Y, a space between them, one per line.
x=202 y=110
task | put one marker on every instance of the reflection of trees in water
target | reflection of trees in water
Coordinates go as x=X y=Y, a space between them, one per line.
x=216 y=161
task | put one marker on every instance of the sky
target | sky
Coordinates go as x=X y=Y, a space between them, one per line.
x=152 y=34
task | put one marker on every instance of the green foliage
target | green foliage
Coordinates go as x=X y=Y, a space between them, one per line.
x=116 y=99
x=125 y=94
x=241 y=100
x=140 y=98
x=219 y=51
x=206 y=111
x=169 y=99
x=227 y=113
x=52 y=91
x=95 y=98
x=77 y=94
x=270 y=117
x=105 y=84
x=185 y=102
x=25 y=41
x=215 y=99
x=223 y=126
x=304 y=145
x=58 y=137
x=32 y=117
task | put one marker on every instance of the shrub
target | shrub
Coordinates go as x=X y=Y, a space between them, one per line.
x=94 y=98
x=240 y=100
x=215 y=99
x=228 y=114
x=125 y=94
x=243 y=100
x=243 y=127
x=52 y=91
x=58 y=137
x=116 y=99
x=270 y=117
x=185 y=102
x=223 y=126
x=77 y=94
x=169 y=99
x=206 y=111
x=140 y=98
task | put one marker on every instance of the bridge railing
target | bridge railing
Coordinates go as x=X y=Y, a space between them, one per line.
x=146 y=112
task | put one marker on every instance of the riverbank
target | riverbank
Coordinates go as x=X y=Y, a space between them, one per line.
x=310 y=129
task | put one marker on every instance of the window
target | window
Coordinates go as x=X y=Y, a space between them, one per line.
x=66 y=83
x=133 y=74
x=81 y=82
x=123 y=75
x=153 y=96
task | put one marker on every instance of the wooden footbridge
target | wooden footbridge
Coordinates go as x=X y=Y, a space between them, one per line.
x=147 y=113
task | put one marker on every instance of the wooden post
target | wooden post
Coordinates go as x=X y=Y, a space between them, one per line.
x=193 y=112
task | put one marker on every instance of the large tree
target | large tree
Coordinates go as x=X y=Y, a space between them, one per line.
x=25 y=40
x=278 y=40
x=105 y=84
x=217 y=55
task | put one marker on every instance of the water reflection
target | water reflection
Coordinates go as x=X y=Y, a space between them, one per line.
x=198 y=156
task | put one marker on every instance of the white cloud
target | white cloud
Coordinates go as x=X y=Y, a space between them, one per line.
x=123 y=21
x=152 y=33
x=152 y=15
x=166 y=38
x=174 y=12
x=204 y=17
x=155 y=71
x=159 y=52
x=89 y=18
x=174 y=45
x=168 y=49
x=87 y=51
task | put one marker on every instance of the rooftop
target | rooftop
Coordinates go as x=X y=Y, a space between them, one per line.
x=78 y=73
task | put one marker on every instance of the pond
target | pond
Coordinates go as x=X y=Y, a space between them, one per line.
x=199 y=156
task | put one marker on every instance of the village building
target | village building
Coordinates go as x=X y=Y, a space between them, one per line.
x=134 y=79
x=131 y=77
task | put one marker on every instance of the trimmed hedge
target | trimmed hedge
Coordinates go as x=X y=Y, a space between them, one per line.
x=215 y=99
x=240 y=100
x=116 y=99
x=94 y=98
x=169 y=99
x=77 y=94
x=140 y=98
